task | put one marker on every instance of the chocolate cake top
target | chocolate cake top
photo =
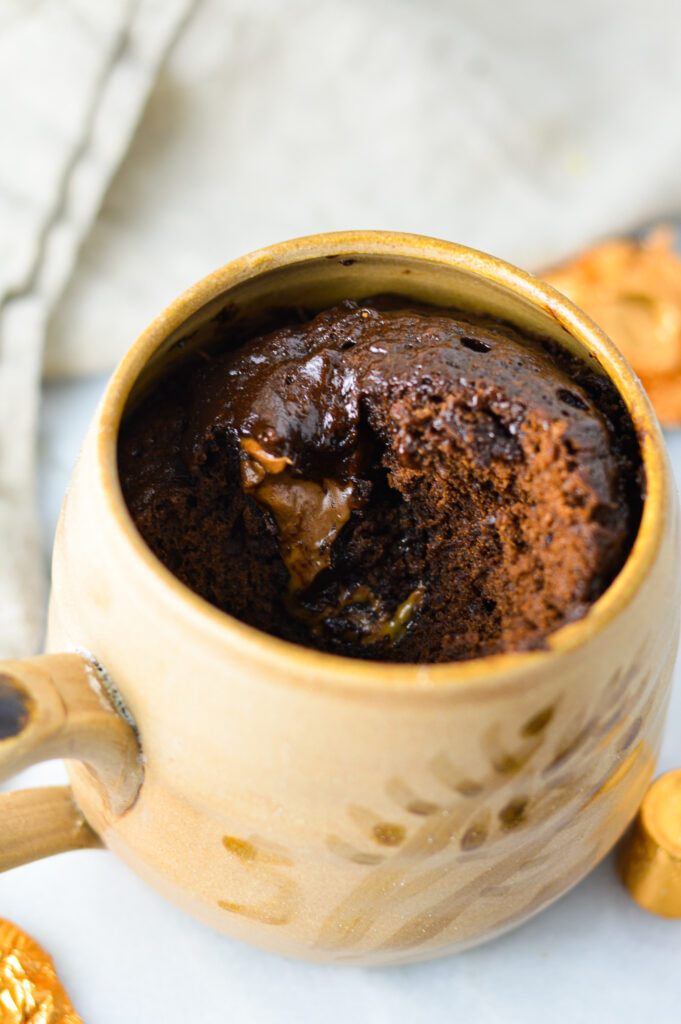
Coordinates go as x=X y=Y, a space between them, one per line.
x=389 y=481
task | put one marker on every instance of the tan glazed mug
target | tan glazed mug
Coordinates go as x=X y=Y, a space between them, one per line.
x=318 y=806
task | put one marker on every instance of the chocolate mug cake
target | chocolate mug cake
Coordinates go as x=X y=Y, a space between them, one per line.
x=388 y=481
x=354 y=810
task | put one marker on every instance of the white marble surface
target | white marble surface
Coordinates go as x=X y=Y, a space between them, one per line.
x=126 y=955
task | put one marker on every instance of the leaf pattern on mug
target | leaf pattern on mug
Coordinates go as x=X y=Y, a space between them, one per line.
x=463 y=841
x=273 y=894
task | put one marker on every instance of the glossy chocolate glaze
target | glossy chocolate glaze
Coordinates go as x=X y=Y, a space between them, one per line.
x=402 y=483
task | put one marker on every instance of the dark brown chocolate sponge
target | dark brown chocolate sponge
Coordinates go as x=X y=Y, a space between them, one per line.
x=390 y=482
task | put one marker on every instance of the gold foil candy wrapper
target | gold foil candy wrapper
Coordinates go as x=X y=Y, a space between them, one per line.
x=649 y=858
x=30 y=991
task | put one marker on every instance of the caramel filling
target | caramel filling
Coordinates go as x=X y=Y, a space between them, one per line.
x=394 y=628
x=309 y=516
x=364 y=616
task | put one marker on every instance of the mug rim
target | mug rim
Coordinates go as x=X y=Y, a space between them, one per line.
x=322 y=668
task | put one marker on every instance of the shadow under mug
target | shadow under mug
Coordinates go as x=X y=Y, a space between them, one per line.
x=314 y=805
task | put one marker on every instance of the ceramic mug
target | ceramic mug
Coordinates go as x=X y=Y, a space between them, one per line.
x=315 y=805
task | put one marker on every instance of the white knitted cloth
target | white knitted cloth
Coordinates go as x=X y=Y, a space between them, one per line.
x=73 y=82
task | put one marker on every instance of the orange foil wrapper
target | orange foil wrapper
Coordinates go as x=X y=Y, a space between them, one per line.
x=632 y=289
x=30 y=991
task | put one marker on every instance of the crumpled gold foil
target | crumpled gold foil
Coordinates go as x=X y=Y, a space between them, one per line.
x=632 y=289
x=30 y=991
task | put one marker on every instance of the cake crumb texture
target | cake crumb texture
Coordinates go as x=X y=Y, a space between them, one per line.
x=388 y=481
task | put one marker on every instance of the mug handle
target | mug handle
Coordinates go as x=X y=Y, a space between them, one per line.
x=58 y=705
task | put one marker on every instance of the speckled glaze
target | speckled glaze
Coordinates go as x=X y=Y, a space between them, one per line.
x=358 y=812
